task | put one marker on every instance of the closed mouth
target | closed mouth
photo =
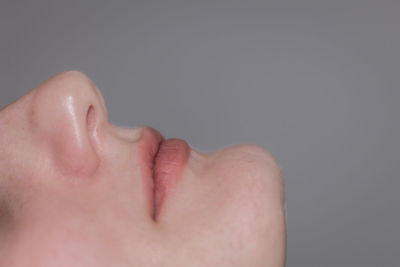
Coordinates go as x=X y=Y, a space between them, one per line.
x=164 y=162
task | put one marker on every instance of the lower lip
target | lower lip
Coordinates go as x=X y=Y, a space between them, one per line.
x=170 y=161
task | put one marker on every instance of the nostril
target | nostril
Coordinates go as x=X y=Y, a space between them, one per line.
x=90 y=118
x=92 y=125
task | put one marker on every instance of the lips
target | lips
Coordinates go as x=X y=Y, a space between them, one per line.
x=162 y=163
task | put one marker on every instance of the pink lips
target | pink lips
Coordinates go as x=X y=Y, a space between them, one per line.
x=162 y=163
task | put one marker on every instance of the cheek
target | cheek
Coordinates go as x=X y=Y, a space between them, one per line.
x=47 y=247
x=69 y=238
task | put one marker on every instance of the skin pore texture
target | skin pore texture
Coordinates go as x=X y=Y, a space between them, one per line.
x=75 y=190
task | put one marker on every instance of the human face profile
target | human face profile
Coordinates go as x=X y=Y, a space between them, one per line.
x=76 y=190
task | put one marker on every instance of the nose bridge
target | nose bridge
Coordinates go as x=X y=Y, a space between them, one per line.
x=63 y=120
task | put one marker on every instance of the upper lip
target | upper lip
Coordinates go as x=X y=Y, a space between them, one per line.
x=152 y=140
x=149 y=145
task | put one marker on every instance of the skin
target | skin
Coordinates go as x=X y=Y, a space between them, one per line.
x=71 y=192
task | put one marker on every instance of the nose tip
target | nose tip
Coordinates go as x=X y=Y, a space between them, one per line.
x=67 y=112
x=73 y=86
x=70 y=95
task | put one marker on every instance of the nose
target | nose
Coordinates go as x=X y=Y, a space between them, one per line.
x=67 y=117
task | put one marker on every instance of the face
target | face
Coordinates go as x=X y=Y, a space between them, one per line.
x=76 y=190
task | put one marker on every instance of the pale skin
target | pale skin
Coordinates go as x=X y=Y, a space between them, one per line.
x=71 y=192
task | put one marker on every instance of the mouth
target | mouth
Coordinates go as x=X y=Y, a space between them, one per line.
x=163 y=162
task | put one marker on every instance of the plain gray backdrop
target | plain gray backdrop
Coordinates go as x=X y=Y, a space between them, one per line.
x=317 y=83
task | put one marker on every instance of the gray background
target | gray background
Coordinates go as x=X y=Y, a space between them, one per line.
x=314 y=82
